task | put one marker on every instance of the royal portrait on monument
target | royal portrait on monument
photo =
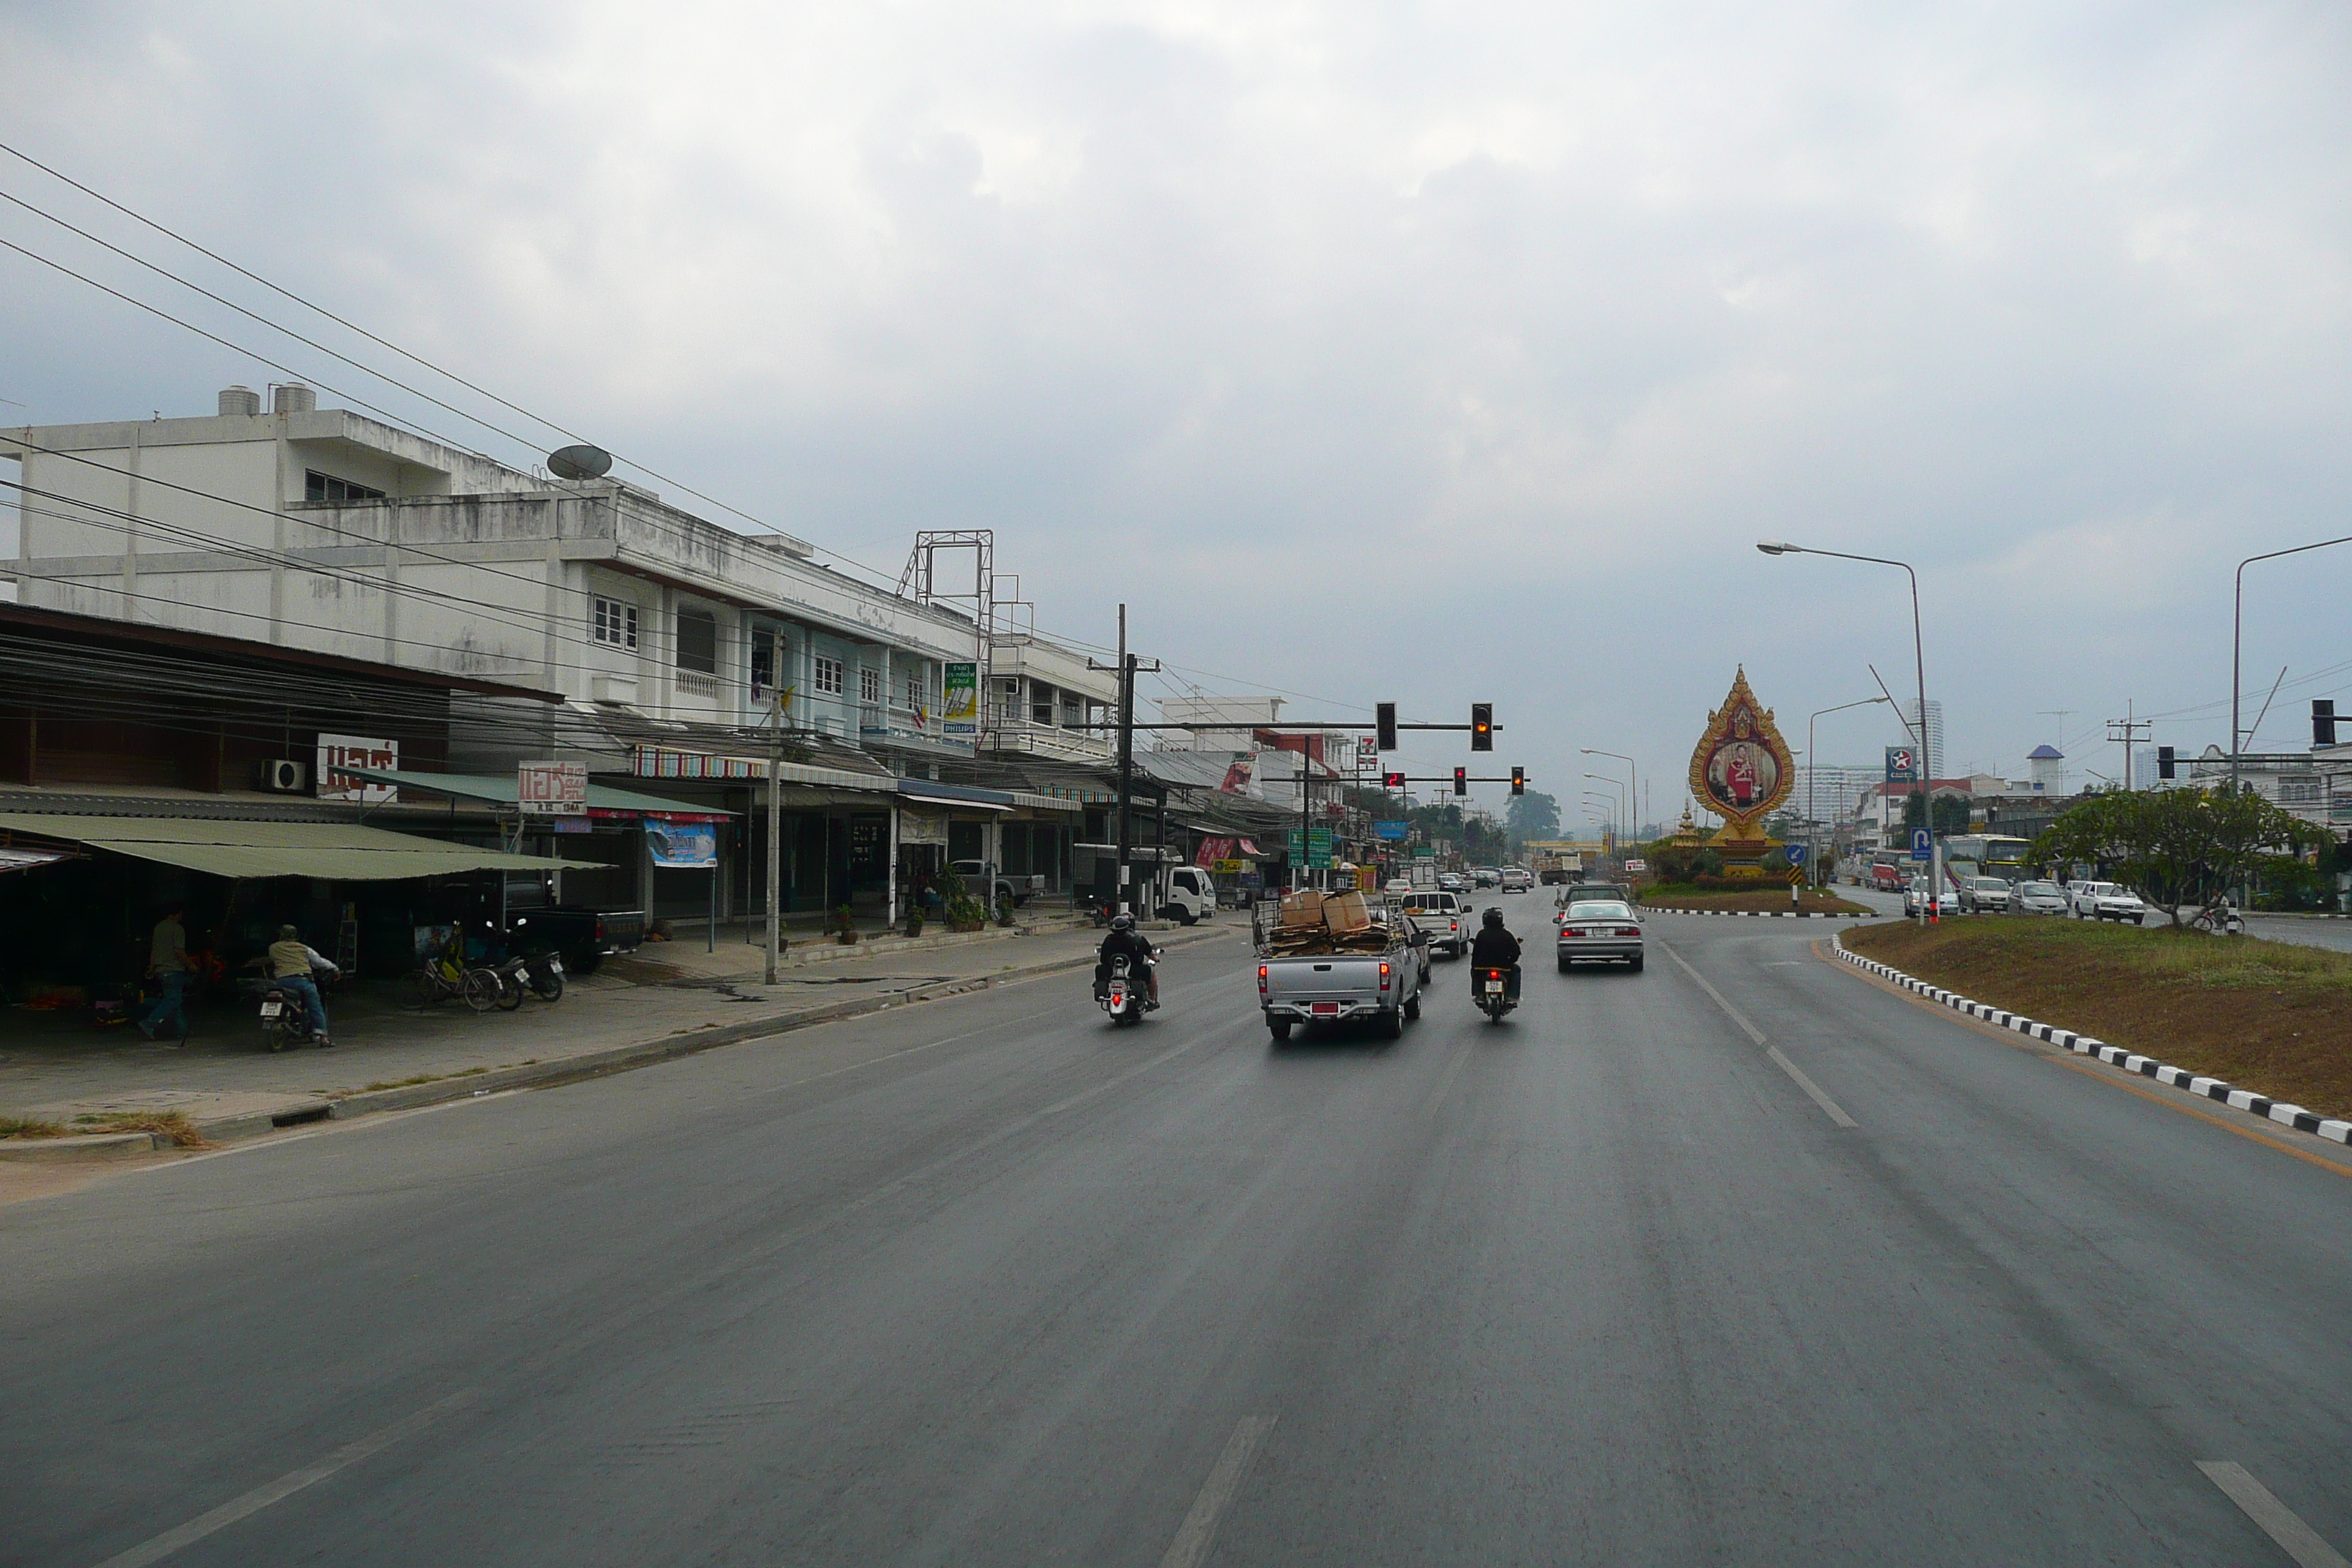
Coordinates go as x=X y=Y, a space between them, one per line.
x=1741 y=768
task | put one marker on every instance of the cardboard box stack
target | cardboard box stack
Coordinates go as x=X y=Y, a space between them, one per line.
x=1315 y=923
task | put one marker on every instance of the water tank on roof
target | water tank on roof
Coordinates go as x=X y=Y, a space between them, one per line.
x=239 y=400
x=292 y=397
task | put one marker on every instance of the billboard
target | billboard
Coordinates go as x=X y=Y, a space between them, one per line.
x=355 y=751
x=683 y=845
x=551 y=789
x=960 y=712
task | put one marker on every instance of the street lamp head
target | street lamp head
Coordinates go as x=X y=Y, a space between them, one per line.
x=1772 y=547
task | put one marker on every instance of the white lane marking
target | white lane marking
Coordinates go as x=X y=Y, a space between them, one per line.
x=1812 y=1088
x=284 y=1487
x=2278 y=1522
x=1446 y=1081
x=1754 y=1033
x=1190 y=1546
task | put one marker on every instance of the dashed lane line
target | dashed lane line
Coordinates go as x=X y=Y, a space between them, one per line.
x=2277 y=1521
x=1194 y=1536
x=1830 y=1108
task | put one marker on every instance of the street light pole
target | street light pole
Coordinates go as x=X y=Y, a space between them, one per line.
x=1631 y=771
x=1919 y=660
x=1813 y=772
x=2237 y=625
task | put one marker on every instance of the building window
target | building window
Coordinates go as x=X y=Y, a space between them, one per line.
x=1041 y=702
x=2299 y=790
x=914 y=693
x=763 y=664
x=870 y=686
x=697 y=642
x=328 y=490
x=616 y=623
x=828 y=675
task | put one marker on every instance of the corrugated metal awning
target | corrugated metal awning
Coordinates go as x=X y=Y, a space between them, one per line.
x=331 y=851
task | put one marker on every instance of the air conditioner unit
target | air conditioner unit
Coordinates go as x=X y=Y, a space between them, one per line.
x=286 y=776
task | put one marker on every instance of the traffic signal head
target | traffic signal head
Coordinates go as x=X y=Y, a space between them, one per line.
x=1462 y=781
x=1481 y=726
x=1384 y=719
x=2164 y=763
x=1392 y=781
x=1518 y=780
x=2323 y=721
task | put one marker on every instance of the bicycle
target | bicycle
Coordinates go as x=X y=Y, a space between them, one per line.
x=440 y=977
x=2219 y=921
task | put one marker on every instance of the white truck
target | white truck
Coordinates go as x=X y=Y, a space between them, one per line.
x=1444 y=919
x=1374 y=976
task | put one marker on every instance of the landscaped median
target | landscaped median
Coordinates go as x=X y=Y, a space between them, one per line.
x=1768 y=900
x=2272 y=1018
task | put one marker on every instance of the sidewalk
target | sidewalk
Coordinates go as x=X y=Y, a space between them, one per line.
x=666 y=1000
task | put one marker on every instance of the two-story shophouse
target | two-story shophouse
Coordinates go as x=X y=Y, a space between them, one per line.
x=680 y=647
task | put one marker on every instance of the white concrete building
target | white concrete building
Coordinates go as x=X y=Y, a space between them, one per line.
x=669 y=636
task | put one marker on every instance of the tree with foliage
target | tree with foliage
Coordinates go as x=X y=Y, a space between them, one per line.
x=1534 y=814
x=2180 y=848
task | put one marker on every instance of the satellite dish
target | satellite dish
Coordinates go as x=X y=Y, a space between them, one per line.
x=580 y=462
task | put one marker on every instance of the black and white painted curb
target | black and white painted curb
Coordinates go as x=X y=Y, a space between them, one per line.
x=2262 y=1105
x=1769 y=914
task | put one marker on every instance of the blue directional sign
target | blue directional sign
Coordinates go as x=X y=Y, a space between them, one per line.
x=1395 y=831
x=1923 y=845
x=1796 y=854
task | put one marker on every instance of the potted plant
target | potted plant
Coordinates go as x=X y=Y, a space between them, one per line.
x=844 y=927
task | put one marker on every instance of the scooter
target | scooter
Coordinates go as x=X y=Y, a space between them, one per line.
x=1494 y=998
x=1122 y=996
x=541 y=973
x=284 y=1021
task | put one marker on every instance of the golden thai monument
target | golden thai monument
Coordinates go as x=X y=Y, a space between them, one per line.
x=1740 y=772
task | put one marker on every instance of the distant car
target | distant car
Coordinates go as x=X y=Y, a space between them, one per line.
x=1580 y=892
x=1486 y=877
x=1984 y=895
x=1517 y=880
x=1452 y=882
x=1599 y=931
x=2037 y=899
x=1915 y=900
x=2105 y=901
x=1400 y=886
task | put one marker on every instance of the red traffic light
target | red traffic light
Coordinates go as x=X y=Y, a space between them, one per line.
x=1462 y=781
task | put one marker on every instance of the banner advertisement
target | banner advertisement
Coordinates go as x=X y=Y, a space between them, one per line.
x=1395 y=831
x=960 y=712
x=354 y=751
x=683 y=845
x=551 y=789
x=1213 y=851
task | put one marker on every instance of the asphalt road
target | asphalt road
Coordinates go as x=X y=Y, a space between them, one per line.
x=982 y=1281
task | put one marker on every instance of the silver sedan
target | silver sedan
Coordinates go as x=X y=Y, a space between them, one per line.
x=1600 y=931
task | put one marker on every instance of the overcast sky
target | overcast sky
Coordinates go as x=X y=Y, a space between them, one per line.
x=1437 y=353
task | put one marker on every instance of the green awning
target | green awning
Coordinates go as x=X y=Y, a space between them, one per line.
x=333 y=851
x=505 y=789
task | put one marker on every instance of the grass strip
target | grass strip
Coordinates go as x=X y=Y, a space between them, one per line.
x=2266 y=1015
x=1682 y=896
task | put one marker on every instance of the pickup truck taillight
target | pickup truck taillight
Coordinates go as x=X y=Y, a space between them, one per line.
x=1261 y=979
x=1384 y=976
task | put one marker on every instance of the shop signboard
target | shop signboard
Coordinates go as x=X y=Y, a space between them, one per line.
x=1395 y=831
x=960 y=713
x=337 y=751
x=1318 y=849
x=682 y=846
x=1229 y=868
x=551 y=789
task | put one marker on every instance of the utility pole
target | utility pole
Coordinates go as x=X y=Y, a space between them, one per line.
x=775 y=824
x=1126 y=667
x=2130 y=731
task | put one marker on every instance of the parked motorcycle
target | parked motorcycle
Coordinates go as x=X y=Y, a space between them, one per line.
x=1494 y=998
x=1124 y=995
x=538 y=974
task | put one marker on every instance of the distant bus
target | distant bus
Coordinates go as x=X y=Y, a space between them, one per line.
x=1987 y=855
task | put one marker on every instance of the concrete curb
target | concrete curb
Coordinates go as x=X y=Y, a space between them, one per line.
x=1767 y=914
x=83 y=1146
x=2262 y=1105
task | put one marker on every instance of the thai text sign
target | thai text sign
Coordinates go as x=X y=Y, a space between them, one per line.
x=683 y=845
x=337 y=751
x=960 y=714
x=551 y=789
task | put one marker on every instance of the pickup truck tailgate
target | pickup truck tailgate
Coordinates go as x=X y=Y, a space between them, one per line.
x=1340 y=987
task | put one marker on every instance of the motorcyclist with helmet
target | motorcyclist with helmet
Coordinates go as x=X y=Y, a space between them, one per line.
x=1126 y=942
x=1495 y=947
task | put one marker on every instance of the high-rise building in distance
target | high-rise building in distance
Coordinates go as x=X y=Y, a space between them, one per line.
x=1934 y=737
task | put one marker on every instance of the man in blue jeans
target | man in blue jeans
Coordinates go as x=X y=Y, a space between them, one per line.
x=168 y=970
x=296 y=968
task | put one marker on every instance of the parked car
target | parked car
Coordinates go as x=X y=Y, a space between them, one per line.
x=2105 y=901
x=1984 y=895
x=1517 y=880
x=1600 y=930
x=2037 y=899
x=1020 y=890
x=1915 y=900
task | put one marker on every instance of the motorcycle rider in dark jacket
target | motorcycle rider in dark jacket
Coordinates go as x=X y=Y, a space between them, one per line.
x=1495 y=947
x=1126 y=942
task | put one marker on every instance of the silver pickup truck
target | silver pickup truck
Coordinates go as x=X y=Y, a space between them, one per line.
x=1382 y=986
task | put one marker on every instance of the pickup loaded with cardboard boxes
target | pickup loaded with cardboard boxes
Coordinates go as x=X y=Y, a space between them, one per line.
x=1328 y=958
